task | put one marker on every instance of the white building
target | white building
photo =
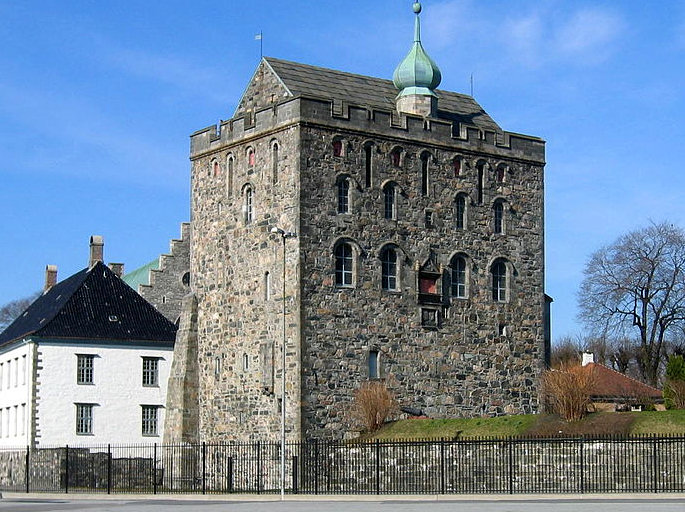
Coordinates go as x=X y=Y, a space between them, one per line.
x=87 y=363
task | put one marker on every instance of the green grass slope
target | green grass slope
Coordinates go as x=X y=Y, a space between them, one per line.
x=601 y=423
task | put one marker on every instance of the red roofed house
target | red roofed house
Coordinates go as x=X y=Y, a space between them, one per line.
x=614 y=391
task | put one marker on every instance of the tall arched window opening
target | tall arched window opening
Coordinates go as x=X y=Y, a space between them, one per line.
x=481 y=178
x=389 y=202
x=229 y=176
x=343 y=265
x=498 y=214
x=274 y=163
x=389 y=270
x=368 y=165
x=248 y=206
x=499 y=281
x=343 y=195
x=424 y=174
x=374 y=372
x=460 y=212
x=458 y=277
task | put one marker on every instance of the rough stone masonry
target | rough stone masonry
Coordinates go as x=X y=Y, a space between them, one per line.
x=418 y=261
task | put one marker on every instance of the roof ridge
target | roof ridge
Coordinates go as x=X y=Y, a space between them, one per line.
x=356 y=75
x=625 y=376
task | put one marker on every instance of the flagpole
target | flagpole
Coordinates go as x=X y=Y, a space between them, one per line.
x=260 y=37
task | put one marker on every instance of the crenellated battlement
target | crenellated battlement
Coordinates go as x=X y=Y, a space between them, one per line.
x=349 y=117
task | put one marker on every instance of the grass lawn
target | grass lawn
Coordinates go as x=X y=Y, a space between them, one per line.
x=666 y=422
x=601 y=423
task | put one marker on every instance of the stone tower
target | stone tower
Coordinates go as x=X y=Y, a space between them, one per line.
x=418 y=258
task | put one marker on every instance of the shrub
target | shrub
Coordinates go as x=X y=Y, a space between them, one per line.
x=568 y=391
x=373 y=405
x=674 y=389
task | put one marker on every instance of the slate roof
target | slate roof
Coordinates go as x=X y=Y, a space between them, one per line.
x=93 y=304
x=612 y=384
x=140 y=275
x=316 y=82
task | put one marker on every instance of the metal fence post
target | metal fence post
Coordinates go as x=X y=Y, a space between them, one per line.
x=511 y=465
x=655 y=461
x=295 y=474
x=230 y=474
x=442 y=465
x=109 y=469
x=582 y=465
x=66 y=471
x=316 y=466
x=154 y=469
x=378 y=466
x=204 y=467
x=27 y=468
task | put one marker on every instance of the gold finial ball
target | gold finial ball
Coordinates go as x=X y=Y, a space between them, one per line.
x=417 y=7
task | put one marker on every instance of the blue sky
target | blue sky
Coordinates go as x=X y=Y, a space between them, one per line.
x=96 y=106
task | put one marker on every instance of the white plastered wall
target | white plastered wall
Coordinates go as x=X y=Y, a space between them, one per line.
x=117 y=394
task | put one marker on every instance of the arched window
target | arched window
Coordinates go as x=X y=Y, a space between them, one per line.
x=248 y=205
x=460 y=211
x=389 y=269
x=498 y=216
x=458 y=286
x=337 y=147
x=499 y=281
x=481 y=181
x=457 y=167
x=390 y=201
x=396 y=157
x=501 y=173
x=216 y=170
x=250 y=157
x=229 y=175
x=368 y=164
x=267 y=286
x=343 y=265
x=424 y=174
x=274 y=162
x=343 y=195
x=246 y=362
x=374 y=372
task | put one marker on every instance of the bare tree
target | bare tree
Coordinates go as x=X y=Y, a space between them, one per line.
x=638 y=283
x=13 y=309
x=566 y=352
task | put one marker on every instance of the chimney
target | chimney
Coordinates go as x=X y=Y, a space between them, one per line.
x=588 y=357
x=50 y=277
x=117 y=268
x=97 y=245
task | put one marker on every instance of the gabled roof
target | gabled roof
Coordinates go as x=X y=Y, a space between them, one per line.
x=93 y=304
x=612 y=384
x=316 y=82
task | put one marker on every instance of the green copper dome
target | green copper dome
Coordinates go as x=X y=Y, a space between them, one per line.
x=417 y=73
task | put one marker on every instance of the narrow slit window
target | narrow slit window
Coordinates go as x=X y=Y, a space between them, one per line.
x=368 y=165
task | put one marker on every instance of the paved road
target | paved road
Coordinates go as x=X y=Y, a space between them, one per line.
x=444 y=504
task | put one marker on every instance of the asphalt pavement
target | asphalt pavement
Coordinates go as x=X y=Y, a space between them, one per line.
x=249 y=503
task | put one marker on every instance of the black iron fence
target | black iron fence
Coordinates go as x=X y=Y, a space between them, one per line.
x=512 y=465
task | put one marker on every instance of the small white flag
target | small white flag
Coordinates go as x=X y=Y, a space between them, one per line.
x=258 y=37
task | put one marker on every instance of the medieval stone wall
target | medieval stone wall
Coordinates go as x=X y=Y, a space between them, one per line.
x=484 y=357
x=237 y=264
x=480 y=356
x=171 y=281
